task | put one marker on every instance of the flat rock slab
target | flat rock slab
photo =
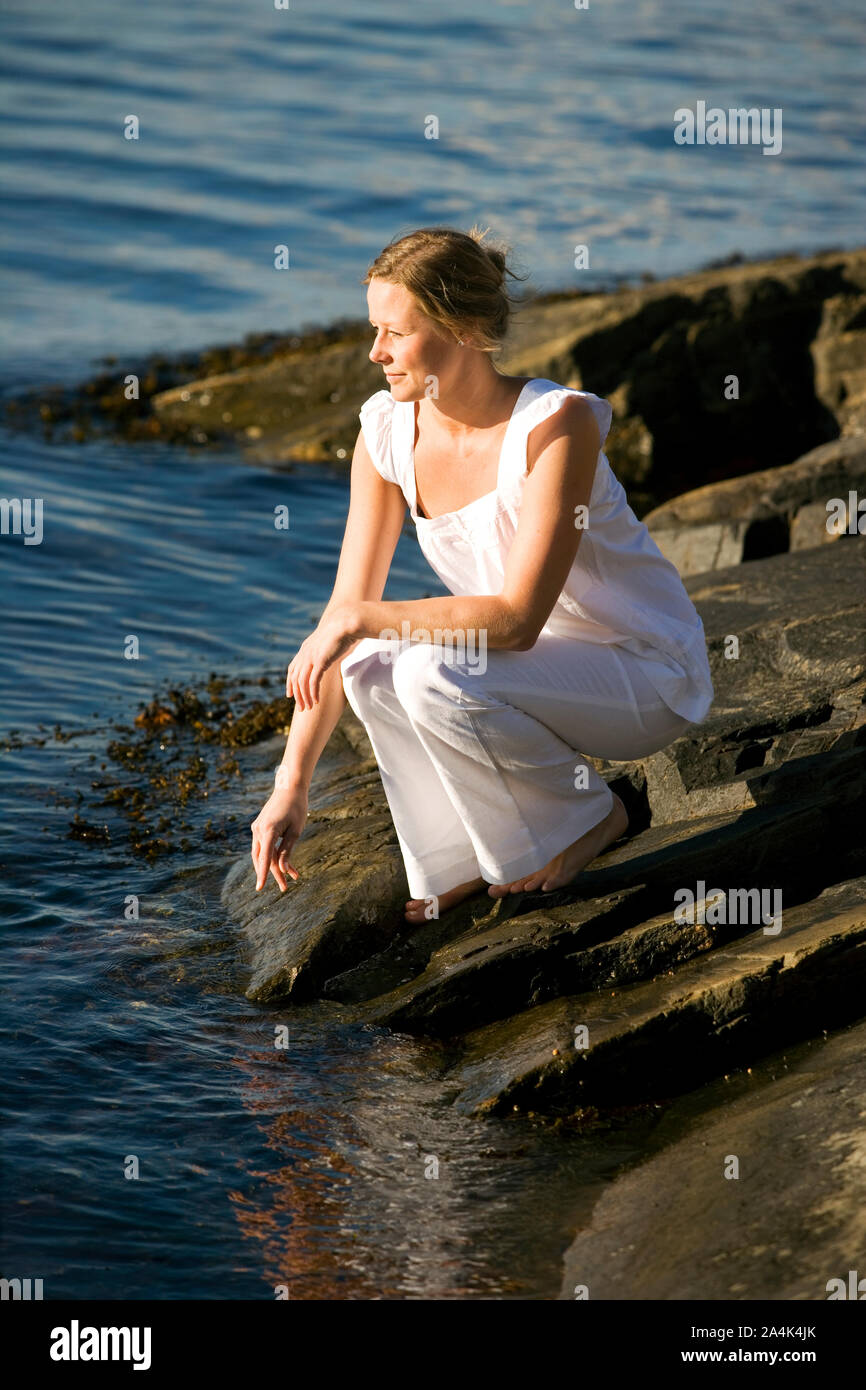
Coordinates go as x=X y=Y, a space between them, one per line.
x=792 y=1221
x=654 y=1039
x=764 y=513
x=764 y=796
x=538 y=952
x=795 y=687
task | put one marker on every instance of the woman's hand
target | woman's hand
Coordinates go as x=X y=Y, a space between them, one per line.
x=276 y=830
x=331 y=640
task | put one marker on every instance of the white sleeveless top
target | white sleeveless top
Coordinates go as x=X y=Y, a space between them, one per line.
x=620 y=589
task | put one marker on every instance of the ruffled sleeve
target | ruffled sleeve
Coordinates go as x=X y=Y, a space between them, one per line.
x=547 y=400
x=376 y=416
x=550 y=401
x=603 y=412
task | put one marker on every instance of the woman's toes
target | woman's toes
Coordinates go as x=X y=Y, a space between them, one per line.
x=500 y=890
x=534 y=881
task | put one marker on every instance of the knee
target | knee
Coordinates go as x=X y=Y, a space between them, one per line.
x=364 y=674
x=421 y=675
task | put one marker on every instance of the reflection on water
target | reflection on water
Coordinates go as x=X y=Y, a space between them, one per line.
x=131 y=1036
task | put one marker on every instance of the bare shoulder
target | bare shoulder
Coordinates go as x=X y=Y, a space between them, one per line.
x=574 y=419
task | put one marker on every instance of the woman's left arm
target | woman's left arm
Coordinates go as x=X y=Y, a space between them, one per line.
x=565 y=449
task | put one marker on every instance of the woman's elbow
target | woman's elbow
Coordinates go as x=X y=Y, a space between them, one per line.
x=520 y=627
x=524 y=636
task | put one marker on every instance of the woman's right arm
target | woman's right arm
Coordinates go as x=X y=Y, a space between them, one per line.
x=373 y=526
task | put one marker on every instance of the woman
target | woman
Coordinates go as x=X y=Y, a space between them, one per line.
x=589 y=644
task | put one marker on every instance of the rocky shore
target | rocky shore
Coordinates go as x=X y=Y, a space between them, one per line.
x=790 y=331
x=767 y=793
x=605 y=995
x=585 y=1005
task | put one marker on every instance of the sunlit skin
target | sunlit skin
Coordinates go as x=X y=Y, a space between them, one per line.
x=559 y=871
x=468 y=383
x=463 y=425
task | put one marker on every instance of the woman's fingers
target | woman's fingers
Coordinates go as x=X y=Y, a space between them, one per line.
x=266 y=857
x=305 y=687
x=292 y=681
x=256 y=849
x=303 y=681
x=289 y=842
x=270 y=854
x=278 y=873
x=262 y=856
x=300 y=688
x=279 y=858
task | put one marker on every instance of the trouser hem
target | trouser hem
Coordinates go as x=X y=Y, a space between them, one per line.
x=530 y=861
x=441 y=880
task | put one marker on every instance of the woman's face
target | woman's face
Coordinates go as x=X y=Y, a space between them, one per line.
x=409 y=347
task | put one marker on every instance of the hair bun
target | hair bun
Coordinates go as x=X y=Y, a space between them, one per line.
x=497 y=258
x=456 y=279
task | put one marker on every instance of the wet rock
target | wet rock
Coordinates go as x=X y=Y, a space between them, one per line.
x=775 y=773
x=655 y=1038
x=791 y=1221
x=348 y=898
x=764 y=513
x=496 y=971
x=487 y=970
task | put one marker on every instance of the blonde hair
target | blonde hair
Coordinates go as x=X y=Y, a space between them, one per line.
x=455 y=281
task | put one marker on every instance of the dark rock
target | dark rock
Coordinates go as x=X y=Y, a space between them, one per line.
x=765 y=793
x=792 y=1219
x=346 y=902
x=791 y=329
x=765 y=513
x=651 y=1039
x=795 y=689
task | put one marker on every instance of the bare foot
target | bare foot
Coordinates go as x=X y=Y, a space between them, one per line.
x=423 y=909
x=563 y=867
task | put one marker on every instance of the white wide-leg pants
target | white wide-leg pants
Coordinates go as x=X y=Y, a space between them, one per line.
x=485 y=770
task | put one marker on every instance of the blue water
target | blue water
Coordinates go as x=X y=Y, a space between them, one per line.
x=305 y=127
x=133 y=1038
